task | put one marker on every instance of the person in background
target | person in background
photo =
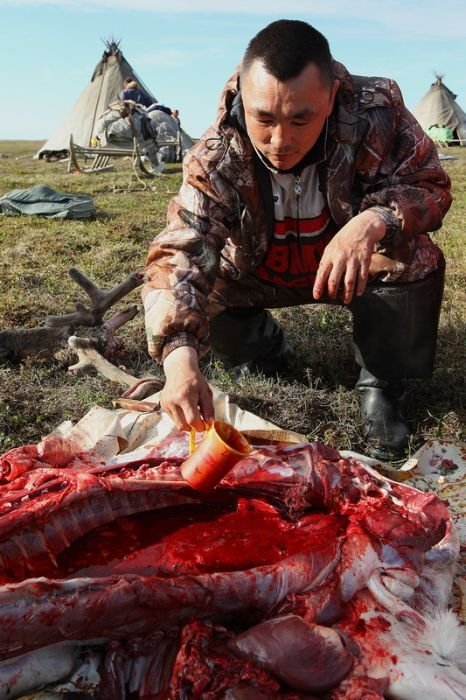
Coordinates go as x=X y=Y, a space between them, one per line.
x=158 y=106
x=132 y=91
x=313 y=186
x=176 y=115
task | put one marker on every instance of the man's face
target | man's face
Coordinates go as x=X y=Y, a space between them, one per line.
x=284 y=120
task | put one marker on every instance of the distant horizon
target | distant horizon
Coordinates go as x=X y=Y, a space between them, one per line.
x=22 y=140
x=186 y=54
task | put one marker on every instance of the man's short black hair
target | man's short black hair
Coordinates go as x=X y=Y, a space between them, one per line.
x=286 y=47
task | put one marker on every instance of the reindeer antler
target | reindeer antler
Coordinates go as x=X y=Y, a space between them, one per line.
x=101 y=300
x=90 y=358
x=55 y=331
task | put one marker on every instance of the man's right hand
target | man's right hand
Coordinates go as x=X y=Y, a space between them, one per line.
x=186 y=396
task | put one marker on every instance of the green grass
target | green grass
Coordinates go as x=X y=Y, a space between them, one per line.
x=35 y=255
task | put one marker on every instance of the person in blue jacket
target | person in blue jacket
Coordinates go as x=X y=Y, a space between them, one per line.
x=132 y=91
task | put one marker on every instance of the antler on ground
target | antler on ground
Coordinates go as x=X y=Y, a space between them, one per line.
x=101 y=300
x=19 y=343
x=59 y=332
x=90 y=358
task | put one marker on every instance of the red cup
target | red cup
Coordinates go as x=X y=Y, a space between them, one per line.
x=221 y=448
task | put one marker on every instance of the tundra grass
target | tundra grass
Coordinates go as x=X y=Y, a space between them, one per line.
x=316 y=400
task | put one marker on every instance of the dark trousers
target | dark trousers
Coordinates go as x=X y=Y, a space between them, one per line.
x=394 y=325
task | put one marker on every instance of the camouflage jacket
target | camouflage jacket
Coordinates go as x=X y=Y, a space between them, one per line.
x=220 y=223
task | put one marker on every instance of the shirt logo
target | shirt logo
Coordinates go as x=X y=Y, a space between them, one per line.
x=296 y=249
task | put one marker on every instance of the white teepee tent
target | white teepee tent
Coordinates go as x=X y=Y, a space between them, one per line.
x=103 y=88
x=439 y=108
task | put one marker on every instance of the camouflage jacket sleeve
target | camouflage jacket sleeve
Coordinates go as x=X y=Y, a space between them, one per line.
x=406 y=181
x=183 y=262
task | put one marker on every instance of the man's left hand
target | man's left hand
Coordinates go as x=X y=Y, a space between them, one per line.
x=345 y=263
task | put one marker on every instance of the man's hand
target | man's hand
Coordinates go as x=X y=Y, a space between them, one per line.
x=346 y=259
x=186 y=396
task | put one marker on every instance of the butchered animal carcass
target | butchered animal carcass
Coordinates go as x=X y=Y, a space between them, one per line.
x=301 y=575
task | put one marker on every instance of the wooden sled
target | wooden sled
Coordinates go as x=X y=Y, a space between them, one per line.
x=98 y=159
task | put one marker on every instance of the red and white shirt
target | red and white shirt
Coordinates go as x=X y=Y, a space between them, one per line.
x=302 y=229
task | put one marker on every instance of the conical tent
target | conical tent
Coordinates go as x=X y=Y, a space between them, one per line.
x=104 y=86
x=439 y=109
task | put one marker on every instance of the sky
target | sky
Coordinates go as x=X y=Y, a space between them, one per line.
x=184 y=50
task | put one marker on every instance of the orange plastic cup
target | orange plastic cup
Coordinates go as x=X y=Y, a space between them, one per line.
x=221 y=448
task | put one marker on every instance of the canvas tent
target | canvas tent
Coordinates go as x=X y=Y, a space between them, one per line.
x=103 y=88
x=439 y=110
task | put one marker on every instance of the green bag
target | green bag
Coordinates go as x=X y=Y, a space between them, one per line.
x=41 y=200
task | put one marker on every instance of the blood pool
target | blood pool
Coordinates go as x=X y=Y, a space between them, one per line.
x=197 y=539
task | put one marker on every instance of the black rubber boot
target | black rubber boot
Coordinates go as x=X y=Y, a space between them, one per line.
x=250 y=340
x=384 y=426
x=270 y=365
x=395 y=327
x=395 y=335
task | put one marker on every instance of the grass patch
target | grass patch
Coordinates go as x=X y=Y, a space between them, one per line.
x=318 y=401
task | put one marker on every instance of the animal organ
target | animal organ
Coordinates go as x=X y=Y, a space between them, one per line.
x=302 y=574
